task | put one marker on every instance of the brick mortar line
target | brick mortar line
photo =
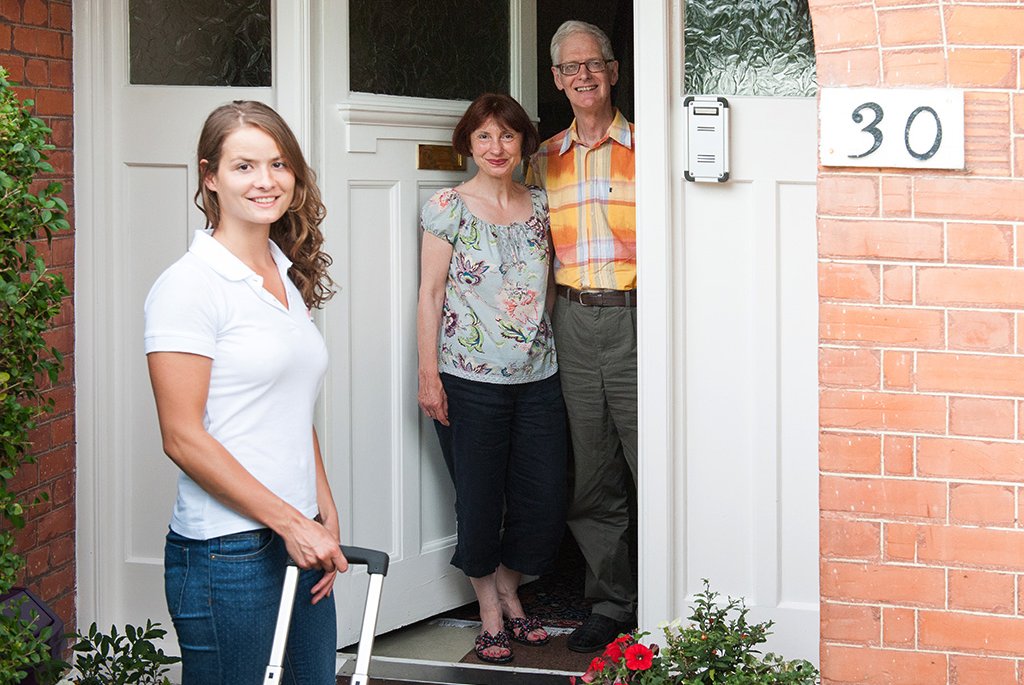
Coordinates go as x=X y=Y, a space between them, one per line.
x=913 y=220
x=954 y=46
x=911 y=47
x=917 y=263
x=920 y=650
x=889 y=304
x=920 y=174
x=872 y=516
x=907 y=434
x=948 y=480
x=949 y=611
x=836 y=516
x=875 y=345
x=850 y=603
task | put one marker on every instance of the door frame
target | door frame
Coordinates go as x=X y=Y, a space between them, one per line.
x=657 y=79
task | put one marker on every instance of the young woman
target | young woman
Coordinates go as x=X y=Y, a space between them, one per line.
x=236 y=364
x=488 y=376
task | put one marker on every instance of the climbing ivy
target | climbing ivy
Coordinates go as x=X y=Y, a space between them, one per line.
x=30 y=297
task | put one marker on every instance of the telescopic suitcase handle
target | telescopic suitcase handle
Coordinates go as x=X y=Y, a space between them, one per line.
x=376 y=563
x=377 y=567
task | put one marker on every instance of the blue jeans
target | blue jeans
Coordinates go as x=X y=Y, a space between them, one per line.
x=506 y=450
x=223 y=595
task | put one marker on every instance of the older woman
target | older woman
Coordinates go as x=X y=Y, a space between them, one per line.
x=488 y=375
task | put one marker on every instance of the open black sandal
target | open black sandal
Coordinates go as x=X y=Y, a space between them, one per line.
x=519 y=629
x=485 y=641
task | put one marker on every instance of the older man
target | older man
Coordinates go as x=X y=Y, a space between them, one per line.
x=588 y=172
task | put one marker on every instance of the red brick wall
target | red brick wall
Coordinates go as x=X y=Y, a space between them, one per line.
x=35 y=47
x=921 y=361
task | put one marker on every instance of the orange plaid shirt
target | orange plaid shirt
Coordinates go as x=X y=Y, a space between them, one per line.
x=592 y=201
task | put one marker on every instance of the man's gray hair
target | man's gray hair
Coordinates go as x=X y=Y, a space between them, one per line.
x=574 y=26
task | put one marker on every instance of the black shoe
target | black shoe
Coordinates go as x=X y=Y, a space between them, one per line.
x=595 y=634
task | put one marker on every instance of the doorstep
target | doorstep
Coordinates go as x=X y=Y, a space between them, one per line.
x=387 y=670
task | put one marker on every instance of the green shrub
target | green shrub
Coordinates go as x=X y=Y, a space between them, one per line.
x=718 y=646
x=30 y=296
x=117 y=658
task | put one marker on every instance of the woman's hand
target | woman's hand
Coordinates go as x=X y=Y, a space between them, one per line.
x=432 y=398
x=325 y=585
x=312 y=545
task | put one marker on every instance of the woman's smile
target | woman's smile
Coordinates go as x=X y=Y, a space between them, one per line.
x=253 y=182
x=496 y=149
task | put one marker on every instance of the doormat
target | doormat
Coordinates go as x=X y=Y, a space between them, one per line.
x=554 y=656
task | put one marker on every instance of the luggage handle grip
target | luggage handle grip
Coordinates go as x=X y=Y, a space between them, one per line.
x=374 y=560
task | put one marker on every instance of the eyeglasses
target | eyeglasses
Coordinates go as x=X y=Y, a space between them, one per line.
x=594 y=66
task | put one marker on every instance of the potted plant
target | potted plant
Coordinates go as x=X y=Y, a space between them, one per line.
x=717 y=647
x=30 y=296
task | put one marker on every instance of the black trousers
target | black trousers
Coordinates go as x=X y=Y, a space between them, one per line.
x=506 y=449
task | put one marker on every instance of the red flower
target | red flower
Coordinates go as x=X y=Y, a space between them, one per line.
x=638 y=657
x=593 y=671
x=613 y=651
x=624 y=639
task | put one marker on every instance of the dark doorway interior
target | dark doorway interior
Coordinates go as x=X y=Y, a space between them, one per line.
x=615 y=17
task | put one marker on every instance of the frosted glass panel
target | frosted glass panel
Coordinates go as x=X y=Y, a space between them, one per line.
x=446 y=49
x=199 y=43
x=749 y=47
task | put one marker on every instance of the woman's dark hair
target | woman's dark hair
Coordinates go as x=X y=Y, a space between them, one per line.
x=297 y=233
x=504 y=110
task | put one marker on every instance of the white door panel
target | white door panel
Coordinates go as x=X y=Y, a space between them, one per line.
x=394 y=490
x=750 y=281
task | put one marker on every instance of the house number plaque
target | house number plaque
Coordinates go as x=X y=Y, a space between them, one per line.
x=905 y=128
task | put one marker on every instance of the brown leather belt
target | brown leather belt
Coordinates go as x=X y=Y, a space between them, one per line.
x=599 y=298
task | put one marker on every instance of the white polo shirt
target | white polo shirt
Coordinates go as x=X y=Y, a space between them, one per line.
x=268 y=366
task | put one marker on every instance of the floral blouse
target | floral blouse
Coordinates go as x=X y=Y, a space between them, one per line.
x=494 y=327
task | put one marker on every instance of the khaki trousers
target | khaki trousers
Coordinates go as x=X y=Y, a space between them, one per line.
x=596 y=349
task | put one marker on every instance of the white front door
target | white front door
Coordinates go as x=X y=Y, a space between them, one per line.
x=750 y=352
x=727 y=354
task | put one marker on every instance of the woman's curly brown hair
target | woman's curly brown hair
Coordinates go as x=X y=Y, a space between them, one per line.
x=297 y=232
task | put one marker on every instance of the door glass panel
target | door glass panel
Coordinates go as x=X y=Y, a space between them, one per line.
x=199 y=42
x=447 y=49
x=749 y=47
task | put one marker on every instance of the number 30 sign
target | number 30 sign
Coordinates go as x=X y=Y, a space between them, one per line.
x=888 y=127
